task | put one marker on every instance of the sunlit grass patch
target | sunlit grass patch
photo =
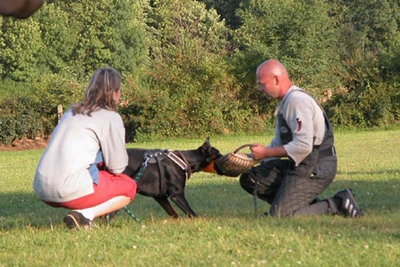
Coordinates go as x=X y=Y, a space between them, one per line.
x=227 y=232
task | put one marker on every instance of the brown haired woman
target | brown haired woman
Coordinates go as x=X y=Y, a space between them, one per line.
x=89 y=134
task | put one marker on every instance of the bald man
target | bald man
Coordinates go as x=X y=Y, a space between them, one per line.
x=20 y=9
x=300 y=162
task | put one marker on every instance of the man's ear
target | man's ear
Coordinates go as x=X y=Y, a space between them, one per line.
x=276 y=79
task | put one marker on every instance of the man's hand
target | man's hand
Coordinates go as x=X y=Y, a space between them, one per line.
x=261 y=152
x=258 y=151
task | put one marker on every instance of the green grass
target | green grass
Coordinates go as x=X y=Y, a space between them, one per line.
x=227 y=233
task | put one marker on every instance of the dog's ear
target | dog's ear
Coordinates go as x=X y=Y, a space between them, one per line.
x=209 y=151
x=206 y=147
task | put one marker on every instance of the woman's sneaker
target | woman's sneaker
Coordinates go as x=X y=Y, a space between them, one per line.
x=75 y=220
x=349 y=206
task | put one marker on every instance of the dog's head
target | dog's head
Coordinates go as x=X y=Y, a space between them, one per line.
x=211 y=154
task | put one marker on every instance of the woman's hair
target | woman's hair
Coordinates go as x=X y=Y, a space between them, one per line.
x=99 y=93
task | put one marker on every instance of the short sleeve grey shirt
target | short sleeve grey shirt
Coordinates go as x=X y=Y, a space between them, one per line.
x=306 y=121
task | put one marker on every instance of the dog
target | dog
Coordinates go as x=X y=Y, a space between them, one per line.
x=162 y=174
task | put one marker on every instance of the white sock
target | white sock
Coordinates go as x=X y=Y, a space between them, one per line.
x=110 y=205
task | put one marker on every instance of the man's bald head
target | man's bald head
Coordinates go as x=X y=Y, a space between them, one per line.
x=273 y=79
x=272 y=66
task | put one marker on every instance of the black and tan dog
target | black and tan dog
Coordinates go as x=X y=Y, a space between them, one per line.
x=162 y=174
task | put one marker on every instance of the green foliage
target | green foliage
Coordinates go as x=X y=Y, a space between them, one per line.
x=18 y=118
x=368 y=38
x=60 y=39
x=53 y=90
x=32 y=112
x=365 y=106
x=20 y=46
x=55 y=41
x=105 y=33
x=375 y=20
x=300 y=34
x=9 y=88
x=189 y=66
x=227 y=10
x=191 y=90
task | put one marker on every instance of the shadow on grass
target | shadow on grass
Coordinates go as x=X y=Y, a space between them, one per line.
x=210 y=198
x=18 y=210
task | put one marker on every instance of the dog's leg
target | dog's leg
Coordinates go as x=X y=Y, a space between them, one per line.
x=182 y=203
x=164 y=203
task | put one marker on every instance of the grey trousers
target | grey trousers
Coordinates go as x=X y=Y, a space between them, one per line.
x=291 y=190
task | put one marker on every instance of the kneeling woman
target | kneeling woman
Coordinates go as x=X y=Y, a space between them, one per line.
x=90 y=134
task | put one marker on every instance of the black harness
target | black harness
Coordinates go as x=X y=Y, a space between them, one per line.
x=157 y=156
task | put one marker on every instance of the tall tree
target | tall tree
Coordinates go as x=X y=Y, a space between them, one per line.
x=79 y=36
x=60 y=39
x=227 y=10
x=375 y=20
x=368 y=39
x=192 y=89
x=301 y=34
x=107 y=33
x=20 y=46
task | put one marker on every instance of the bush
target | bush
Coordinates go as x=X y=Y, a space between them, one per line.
x=191 y=90
x=32 y=111
x=19 y=118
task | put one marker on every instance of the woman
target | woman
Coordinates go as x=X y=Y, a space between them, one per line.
x=90 y=134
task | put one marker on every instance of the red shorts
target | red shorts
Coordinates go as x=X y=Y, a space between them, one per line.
x=110 y=185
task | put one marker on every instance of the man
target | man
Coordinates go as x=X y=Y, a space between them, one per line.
x=20 y=9
x=300 y=163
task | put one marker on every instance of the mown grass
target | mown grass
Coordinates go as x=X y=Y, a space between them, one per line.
x=228 y=232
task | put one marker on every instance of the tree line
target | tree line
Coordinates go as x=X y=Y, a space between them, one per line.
x=189 y=66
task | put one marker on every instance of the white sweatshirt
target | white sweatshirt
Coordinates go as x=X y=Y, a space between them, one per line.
x=63 y=171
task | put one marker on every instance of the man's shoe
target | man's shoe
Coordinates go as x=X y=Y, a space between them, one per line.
x=349 y=206
x=75 y=220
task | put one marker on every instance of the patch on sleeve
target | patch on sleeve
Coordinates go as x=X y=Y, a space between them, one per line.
x=298 y=125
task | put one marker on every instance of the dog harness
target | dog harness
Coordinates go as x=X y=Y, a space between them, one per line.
x=151 y=157
x=181 y=162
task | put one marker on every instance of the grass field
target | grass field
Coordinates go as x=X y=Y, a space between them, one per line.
x=228 y=232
